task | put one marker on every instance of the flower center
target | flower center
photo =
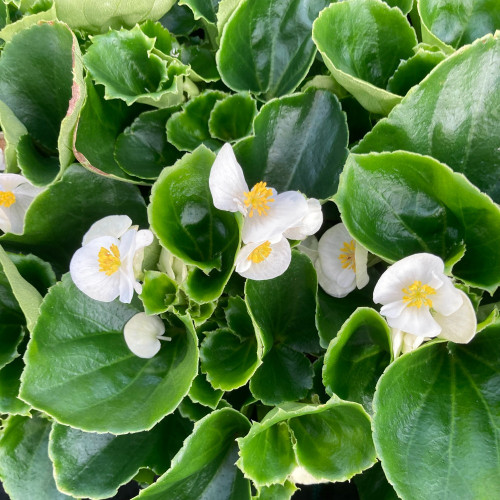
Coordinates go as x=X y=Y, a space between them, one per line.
x=258 y=198
x=416 y=294
x=260 y=253
x=7 y=198
x=109 y=262
x=347 y=255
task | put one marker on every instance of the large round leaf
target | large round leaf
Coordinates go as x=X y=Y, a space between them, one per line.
x=266 y=45
x=437 y=420
x=80 y=370
x=299 y=143
x=397 y=204
x=453 y=116
x=378 y=39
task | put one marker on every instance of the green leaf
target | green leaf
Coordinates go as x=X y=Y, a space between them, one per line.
x=35 y=271
x=299 y=143
x=397 y=204
x=180 y=21
x=159 y=292
x=13 y=130
x=10 y=376
x=205 y=9
x=204 y=467
x=276 y=492
x=94 y=465
x=26 y=294
x=201 y=59
x=232 y=118
x=59 y=217
x=271 y=42
x=125 y=63
x=452 y=24
x=40 y=170
x=95 y=16
x=8 y=32
x=180 y=213
x=188 y=128
x=365 y=64
x=451 y=116
x=373 y=484
x=404 y=5
x=25 y=468
x=437 y=418
x=80 y=371
x=356 y=358
x=202 y=392
x=142 y=149
x=332 y=442
x=37 y=70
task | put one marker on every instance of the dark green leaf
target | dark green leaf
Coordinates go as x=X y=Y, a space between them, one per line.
x=372 y=483
x=202 y=392
x=10 y=376
x=206 y=9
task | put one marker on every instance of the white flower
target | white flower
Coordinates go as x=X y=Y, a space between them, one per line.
x=309 y=224
x=267 y=214
x=2 y=156
x=16 y=195
x=309 y=246
x=143 y=333
x=103 y=268
x=341 y=263
x=264 y=260
x=419 y=299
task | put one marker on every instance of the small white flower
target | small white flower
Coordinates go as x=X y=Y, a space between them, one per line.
x=419 y=299
x=16 y=195
x=309 y=224
x=264 y=260
x=103 y=268
x=342 y=262
x=267 y=214
x=143 y=333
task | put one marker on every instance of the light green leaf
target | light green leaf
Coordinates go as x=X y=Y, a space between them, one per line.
x=436 y=423
x=80 y=371
x=93 y=465
x=205 y=9
x=365 y=64
x=8 y=32
x=452 y=116
x=25 y=468
x=271 y=40
x=397 y=204
x=202 y=392
x=204 y=467
x=404 y=5
x=13 y=130
x=357 y=356
x=276 y=492
x=159 y=292
x=95 y=16
x=299 y=143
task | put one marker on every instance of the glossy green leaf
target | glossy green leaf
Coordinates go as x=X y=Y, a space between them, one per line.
x=159 y=292
x=10 y=383
x=205 y=9
x=8 y=32
x=59 y=217
x=437 y=415
x=229 y=356
x=13 y=130
x=397 y=204
x=365 y=64
x=202 y=392
x=412 y=71
x=357 y=356
x=36 y=83
x=404 y=5
x=188 y=128
x=4 y=15
x=93 y=465
x=95 y=16
x=452 y=116
x=232 y=118
x=452 y=24
x=142 y=149
x=201 y=59
x=266 y=45
x=299 y=143
x=80 y=371
x=25 y=467
x=180 y=21
x=180 y=212
x=276 y=492
x=331 y=442
x=204 y=467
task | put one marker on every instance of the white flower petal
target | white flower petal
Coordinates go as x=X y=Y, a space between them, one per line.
x=9 y=182
x=411 y=342
x=309 y=246
x=4 y=221
x=396 y=341
x=447 y=299
x=394 y=309
x=84 y=270
x=422 y=267
x=416 y=321
x=275 y=264
x=346 y=278
x=309 y=224
x=329 y=248
x=226 y=181
x=459 y=327
x=112 y=225
x=285 y=211
x=141 y=334
x=361 y=260
x=127 y=286
x=331 y=286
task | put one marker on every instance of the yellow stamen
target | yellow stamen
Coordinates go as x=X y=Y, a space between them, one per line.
x=416 y=294
x=347 y=255
x=109 y=262
x=7 y=198
x=258 y=198
x=260 y=253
